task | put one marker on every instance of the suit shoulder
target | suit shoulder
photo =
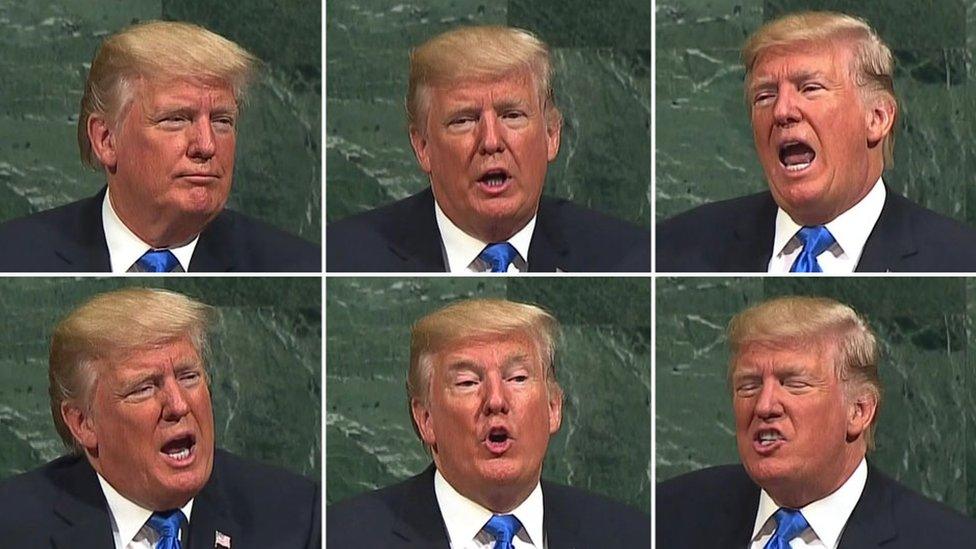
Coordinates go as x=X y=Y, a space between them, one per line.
x=721 y=215
x=936 y=226
x=601 y=242
x=593 y=509
x=701 y=482
x=586 y=222
x=264 y=481
x=27 y=500
x=931 y=520
x=261 y=247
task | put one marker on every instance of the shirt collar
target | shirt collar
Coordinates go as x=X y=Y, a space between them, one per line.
x=464 y=518
x=462 y=249
x=850 y=229
x=128 y=517
x=826 y=517
x=125 y=248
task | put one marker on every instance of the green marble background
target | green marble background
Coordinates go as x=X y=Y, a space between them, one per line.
x=603 y=365
x=926 y=431
x=46 y=47
x=602 y=58
x=265 y=366
x=704 y=143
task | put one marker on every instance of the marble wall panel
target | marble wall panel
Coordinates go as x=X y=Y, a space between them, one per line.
x=45 y=49
x=602 y=59
x=704 y=140
x=927 y=423
x=603 y=367
x=265 y=366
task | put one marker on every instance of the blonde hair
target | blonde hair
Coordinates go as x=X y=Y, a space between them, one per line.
x=795 y=320
x=478 y=53
x=110 y=325
x=872 y=67
x=158 y=51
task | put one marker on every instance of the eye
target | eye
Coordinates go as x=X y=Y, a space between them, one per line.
x=224 y=122
x=763 y=98
x=521 y=378
x=190 y=378
x=459 y=123
x=747 y=389
x=810 y=87
x=141 y=392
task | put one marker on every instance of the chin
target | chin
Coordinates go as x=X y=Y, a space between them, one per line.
x=501 y=471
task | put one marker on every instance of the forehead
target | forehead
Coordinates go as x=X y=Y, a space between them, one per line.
x=833 y=58
x=489 y=350
x=176 y=353
x=159 y=91
x=518 y=85
x=808 y=356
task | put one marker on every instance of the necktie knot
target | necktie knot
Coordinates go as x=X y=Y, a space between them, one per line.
x=167 y=524
x=503 y=529
x=816 y=240
x=157 y=261
x=790 y=523
x=498 y=256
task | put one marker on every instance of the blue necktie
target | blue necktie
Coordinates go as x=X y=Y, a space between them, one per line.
x=815 y=240
x=503 y=529
x=499 y=256
x=789 y=524
x=167 y=525
x=157 y=261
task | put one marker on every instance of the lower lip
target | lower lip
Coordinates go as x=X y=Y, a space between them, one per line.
x=495 y=189
x=797 y=169
x=765 y=449
x=181 y=463
x=201 y=179
x=498 y=448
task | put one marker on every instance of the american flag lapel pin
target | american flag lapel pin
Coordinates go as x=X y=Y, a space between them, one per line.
x=221 y=541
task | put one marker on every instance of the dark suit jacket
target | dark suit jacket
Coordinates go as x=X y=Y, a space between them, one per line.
x=71 y=239
x=716 y=508
x=403 y=237
x=61 y=506
x=406 y=515
x=737 y=236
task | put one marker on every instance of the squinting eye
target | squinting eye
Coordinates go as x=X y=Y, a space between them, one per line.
x=520 y=379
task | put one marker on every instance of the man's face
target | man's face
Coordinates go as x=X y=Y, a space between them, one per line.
x=150 y=430
x=486 y=149
x=818 y=139
x=172 y=157
x=797 y=434
x=489 y=417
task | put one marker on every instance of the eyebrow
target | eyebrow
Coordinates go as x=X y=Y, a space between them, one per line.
x=766 y=82
x=520 y=359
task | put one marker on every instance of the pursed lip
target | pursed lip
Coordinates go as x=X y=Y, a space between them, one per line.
x=199 y=177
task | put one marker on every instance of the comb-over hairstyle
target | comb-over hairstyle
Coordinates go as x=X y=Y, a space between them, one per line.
x=873 y=65
x=109 y=326
x=838 y=329
x=158 y=51
x=482 y=53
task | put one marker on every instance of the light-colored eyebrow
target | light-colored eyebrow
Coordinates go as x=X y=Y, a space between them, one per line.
x=796 y=77
x=519 y=359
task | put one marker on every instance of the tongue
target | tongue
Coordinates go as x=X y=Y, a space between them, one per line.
x=176 y=445
x=797 y=154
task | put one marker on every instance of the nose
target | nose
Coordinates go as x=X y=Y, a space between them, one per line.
x=769 y=404
x=786 y=111
x=496 y=395
x=491 y=135
x=175 y=404
x=203 y=141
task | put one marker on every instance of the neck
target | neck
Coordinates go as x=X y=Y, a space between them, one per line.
x=159 y=232
x=796 y=494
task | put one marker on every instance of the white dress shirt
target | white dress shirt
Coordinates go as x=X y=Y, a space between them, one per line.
x=851 y=230
x=826 y=517
x=461 y=250
x=464 y=518
x=129 y=528
x=125 y=248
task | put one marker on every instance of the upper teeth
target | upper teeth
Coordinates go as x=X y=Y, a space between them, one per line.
x=769 y=436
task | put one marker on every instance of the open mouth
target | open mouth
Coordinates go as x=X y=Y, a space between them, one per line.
x=180 y=450
x=796 y=156
x=494 y=178
x=767 y=440
x=498 y=440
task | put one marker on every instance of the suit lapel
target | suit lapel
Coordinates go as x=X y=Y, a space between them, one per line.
x=892 y=239
x=84 y=510
x=414 y=236
x=739 y=512
x=84 y=247
x=419 y=521
x=548 y=249
x=871 y=523
x=211 y=514
x=213 y=250
x=751 y=245
x=559 y=522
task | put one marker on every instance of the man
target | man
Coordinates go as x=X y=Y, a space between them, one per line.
x=821 y=99
x=129 y=394
x=805 y=395
x=484 y=400
x=484 y=126
x=159 y=117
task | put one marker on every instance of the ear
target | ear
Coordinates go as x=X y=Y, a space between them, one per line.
x=555 y=411
x=419 y=144
x=80 y=424
x=422 y=419
x=880 y=117
x=553 y=134
x=102 y=135
x=861 y=414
